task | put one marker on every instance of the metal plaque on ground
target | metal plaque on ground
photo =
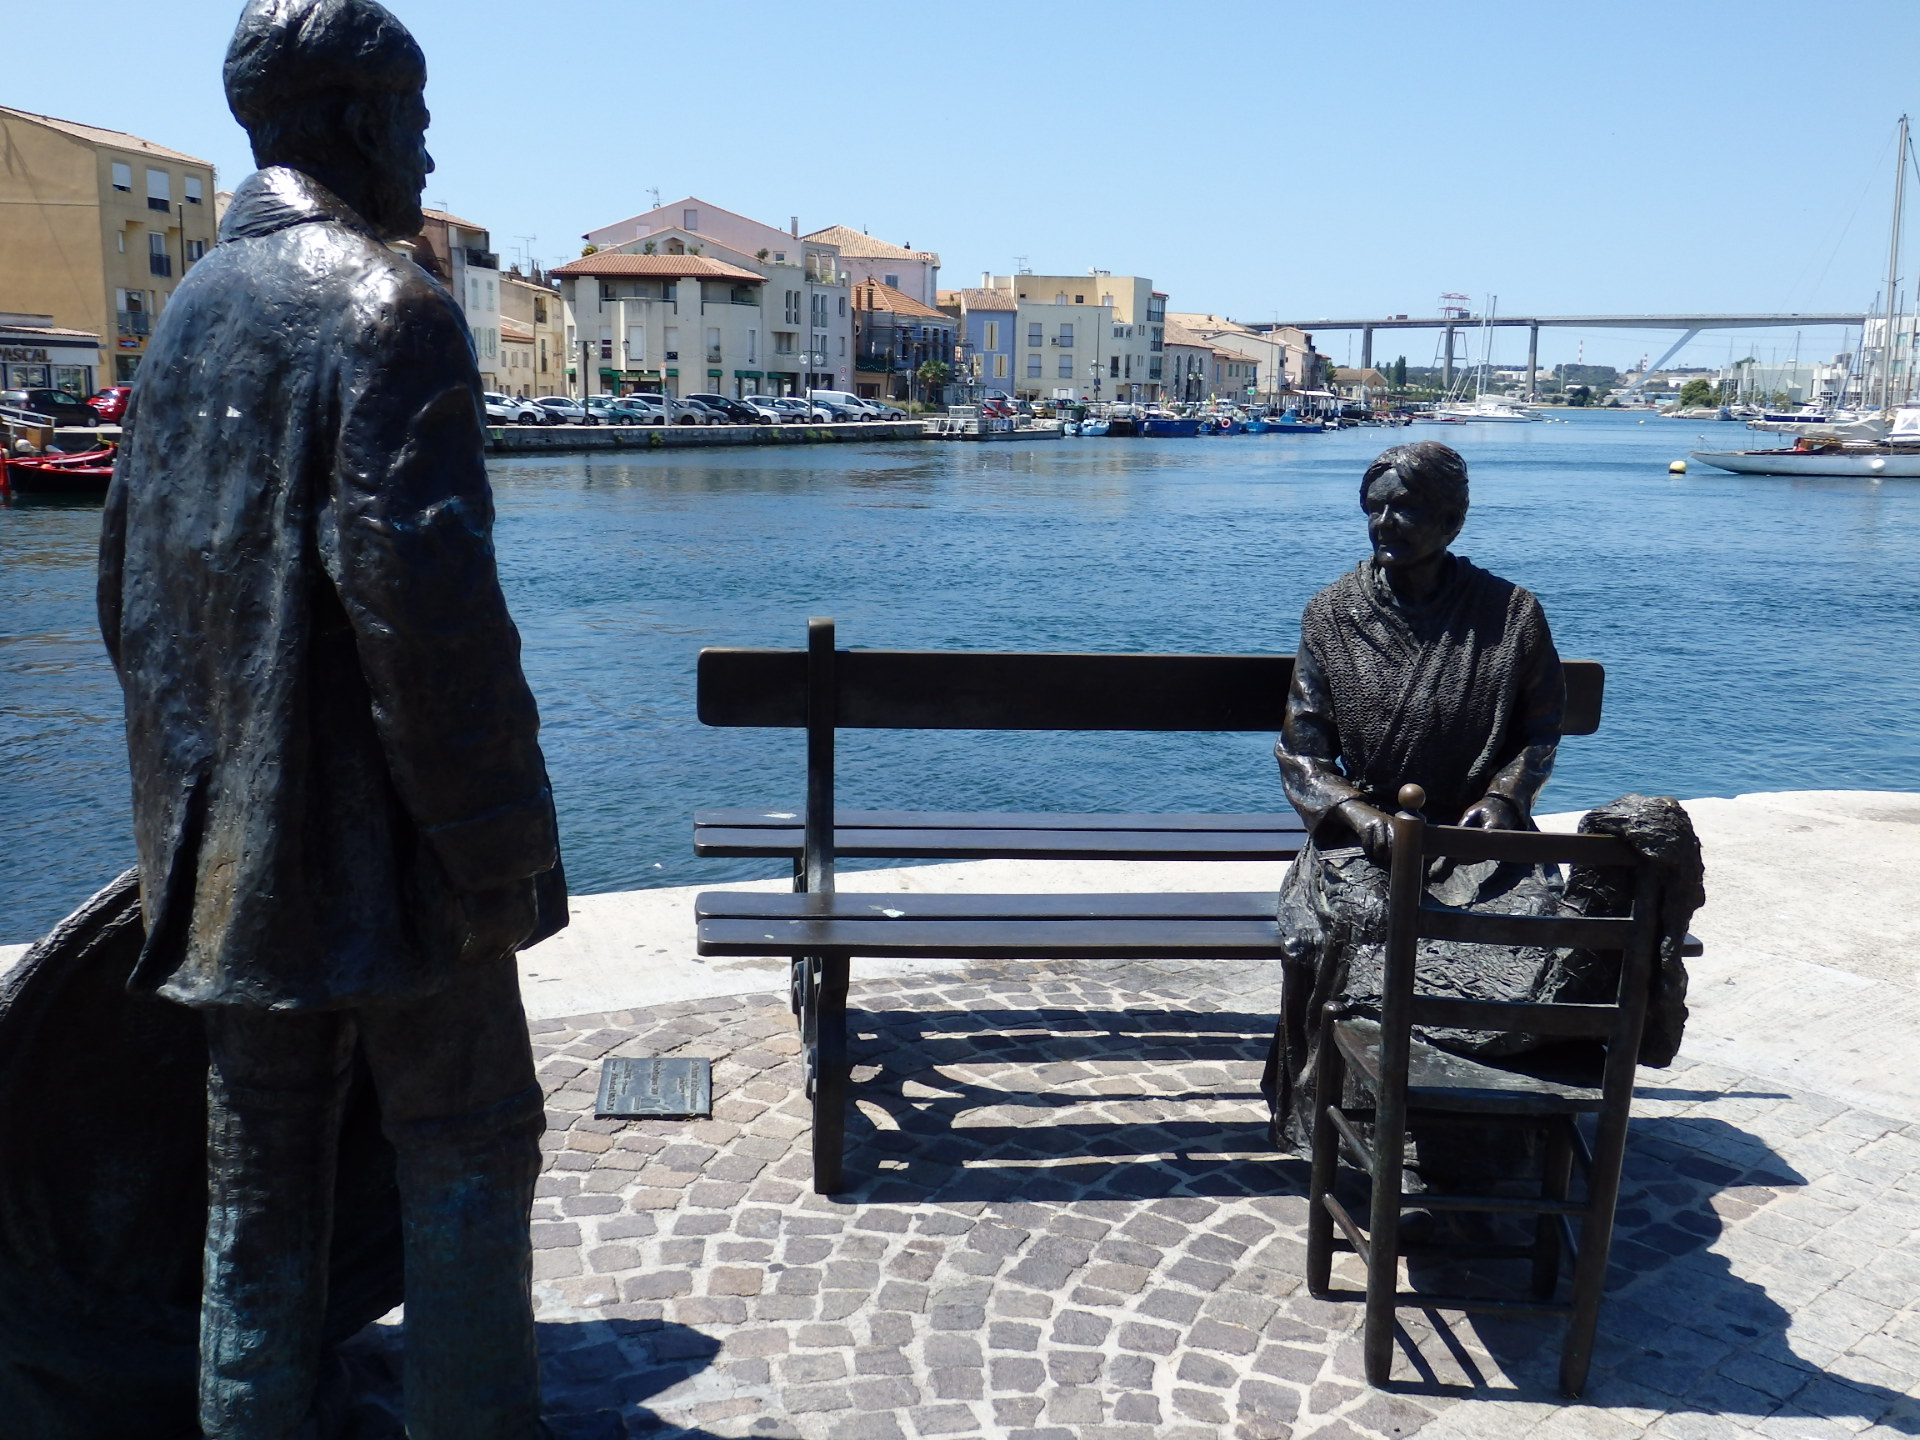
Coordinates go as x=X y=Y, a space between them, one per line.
x=676 y=1089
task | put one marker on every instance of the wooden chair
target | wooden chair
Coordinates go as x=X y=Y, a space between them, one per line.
x=1410 y=1080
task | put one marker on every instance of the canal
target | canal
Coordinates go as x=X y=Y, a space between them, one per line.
x=1759 y=634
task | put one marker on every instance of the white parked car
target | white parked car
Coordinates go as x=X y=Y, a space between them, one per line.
x=505 y=410
x=846 y=400
x=802 y=412
x=563 y=411
x=766 y=407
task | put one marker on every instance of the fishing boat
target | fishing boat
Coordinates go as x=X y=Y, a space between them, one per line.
x=1171 y=426
x=87 y=473
x=1093 y=425
x=1290 y=423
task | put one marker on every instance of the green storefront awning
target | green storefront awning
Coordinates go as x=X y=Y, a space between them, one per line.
x=673 y=374
x=715 y=374
x=609 y=374
x=746 y=375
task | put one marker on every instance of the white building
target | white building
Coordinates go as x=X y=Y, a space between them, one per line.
x=915 y=273
x=800 y=337
x=1086 y=337
x=461 y=253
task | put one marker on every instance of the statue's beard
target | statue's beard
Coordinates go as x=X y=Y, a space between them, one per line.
x=392 y=206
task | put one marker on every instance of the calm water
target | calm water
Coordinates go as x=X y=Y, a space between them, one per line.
x=1759 y=634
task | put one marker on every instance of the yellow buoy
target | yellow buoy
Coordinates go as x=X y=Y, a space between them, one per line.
x=1678 y=467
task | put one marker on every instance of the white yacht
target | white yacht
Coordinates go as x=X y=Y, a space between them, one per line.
x=1482 y=409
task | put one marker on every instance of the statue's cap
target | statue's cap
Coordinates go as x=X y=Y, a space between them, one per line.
x=284 y=51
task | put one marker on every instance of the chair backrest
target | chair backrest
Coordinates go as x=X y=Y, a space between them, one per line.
x=1411 y=919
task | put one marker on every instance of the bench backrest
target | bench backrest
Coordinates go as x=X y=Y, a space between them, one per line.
x=988 y=690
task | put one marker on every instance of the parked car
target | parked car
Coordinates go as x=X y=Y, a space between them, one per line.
x=57 y=405
x=802 y=412
x=836 y=411
x=601 y=411
x=734 y=410
x=997 y=408
x=636 y=410
x=854 y=407
x=888 y=412
x=110 y=405
x=505 y=410
x=680 y=410
x=564 y=411
x=768 y=409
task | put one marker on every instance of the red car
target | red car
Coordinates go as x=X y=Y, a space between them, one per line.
x=1000 y=409
x=111 y=403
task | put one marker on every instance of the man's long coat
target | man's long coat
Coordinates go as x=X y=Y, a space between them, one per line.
x=330 y=734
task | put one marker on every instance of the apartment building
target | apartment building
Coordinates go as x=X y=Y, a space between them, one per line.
x=96 y=229
x=1187 y=363
x=1285 y=358
x=533 y=346
x=697 y=298
x=894 y=336
x=983 y=342
x=461 y=253
x=914 y=273
x=1115 y=327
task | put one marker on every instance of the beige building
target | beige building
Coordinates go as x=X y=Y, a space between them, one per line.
x=1116 y=331
x=914 y=273
x=96 y=229
x=533 y=336
x=1285 y=357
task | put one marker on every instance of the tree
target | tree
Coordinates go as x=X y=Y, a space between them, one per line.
x=1699 y=392
x=1400 y=373
x=586 y=250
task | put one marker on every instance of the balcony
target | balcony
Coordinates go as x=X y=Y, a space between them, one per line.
x=159 y=264
x=713 y=357
x=134 y=322
x=482 y=259
x=160 y=203
x=1064 y=341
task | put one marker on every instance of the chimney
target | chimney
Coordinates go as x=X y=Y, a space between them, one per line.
x=795 y=225
x=986 y=280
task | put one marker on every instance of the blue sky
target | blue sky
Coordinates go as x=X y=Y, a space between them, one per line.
x=1257 y=160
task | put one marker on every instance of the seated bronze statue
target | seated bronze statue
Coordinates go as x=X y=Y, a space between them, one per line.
x=1419 y=667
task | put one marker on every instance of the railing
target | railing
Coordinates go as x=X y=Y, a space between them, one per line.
x=482 y=259
x=154 y=202
x=135 y=322
x=713 y=357
x=160 y=264
x=1065 y=341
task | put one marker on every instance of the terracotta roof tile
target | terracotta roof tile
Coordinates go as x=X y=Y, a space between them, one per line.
x=450 y=219
x=609 y=262
x=97 y=135
x=980 y=299
x=865 y=247
x=874 y=295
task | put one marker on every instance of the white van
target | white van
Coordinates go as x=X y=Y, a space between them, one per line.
x=865 y=409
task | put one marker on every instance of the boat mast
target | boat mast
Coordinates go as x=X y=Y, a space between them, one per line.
x=1893 y=265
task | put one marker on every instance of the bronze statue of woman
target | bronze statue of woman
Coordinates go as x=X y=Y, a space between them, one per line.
x=1415 y=666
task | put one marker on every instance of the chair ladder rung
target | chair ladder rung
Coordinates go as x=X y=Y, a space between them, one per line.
x=1461 y=1250
x=1356 y=1147
x=1356 y=1237
x=1474 y=1304
x=1495 y=1203
x=1571 y=1240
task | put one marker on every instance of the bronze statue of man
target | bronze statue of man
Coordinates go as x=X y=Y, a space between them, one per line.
x=342 y=813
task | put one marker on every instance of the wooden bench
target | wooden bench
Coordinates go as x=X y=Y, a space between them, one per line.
x=822 y=690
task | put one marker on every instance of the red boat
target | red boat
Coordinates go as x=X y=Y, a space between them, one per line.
x=82 y=474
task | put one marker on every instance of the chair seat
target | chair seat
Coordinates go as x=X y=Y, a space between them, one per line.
x=1440 y=1080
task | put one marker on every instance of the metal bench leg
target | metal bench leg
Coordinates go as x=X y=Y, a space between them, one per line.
x=1546 y=1228
x=830 y=1073
x=1329 y=1082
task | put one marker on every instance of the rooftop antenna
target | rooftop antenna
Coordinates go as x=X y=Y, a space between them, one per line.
x=654 y=191
x=1019 y=264
x=526 y=250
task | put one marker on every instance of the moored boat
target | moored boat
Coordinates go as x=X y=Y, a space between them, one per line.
x=88 y=473
x=1290 y=423
x=1170 y=426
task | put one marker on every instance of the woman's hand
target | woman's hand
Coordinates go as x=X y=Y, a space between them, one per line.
x=1373 y=826
x=1493 y=812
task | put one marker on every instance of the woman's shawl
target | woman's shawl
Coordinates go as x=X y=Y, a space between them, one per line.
x=1442 y=695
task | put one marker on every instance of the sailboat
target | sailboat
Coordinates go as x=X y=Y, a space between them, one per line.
x=1483 y=408
x=1878 y=444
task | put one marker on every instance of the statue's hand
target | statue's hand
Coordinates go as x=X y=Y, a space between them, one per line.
x=499 y=919
x=1374 y=827
x=1494 y=812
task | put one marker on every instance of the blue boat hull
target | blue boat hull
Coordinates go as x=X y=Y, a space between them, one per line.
x=1170 y=425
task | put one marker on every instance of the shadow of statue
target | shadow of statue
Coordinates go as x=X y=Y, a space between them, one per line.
x=1679 y=1330
x=596 y=1377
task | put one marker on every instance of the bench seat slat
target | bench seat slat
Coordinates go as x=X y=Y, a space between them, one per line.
x=1173 y=905
x=997 y=939
x=975 y=844
x=1281 y=820
x=1482 y=928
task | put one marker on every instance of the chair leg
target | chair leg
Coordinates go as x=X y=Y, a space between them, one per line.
x=1329 y=1081
x=1546 y=1228
x=829 y=1073
x=1590 y=1266
x=1383 y=1240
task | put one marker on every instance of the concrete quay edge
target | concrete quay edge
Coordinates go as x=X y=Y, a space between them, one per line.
x=559 y=439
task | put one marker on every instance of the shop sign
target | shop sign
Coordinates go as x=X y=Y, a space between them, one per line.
x=23 y=355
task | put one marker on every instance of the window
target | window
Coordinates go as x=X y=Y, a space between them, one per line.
x=689 y=219
x=891 y=280
x=122 y=238
x=713 y=345
x=158 y=261
x=999 y=367
x=1066 y=336
x=753 y=347
x=1079 y=299
x=1066 y=367
x=123 y=177
x=636 y=343
x=159 y=190
x=783 y=342
x=1060 y=297
x=843 y=305
x=779 y=257
x=606 y=342
x=1033 y=366
x=993 y=335
x=1036 y=334
x=1113 y=370
x=196 y=250
x=192 y=187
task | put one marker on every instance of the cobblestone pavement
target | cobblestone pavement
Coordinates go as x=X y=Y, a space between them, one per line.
x=1064 y=1226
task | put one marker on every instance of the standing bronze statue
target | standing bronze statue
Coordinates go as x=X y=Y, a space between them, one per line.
x=341 y=808
x=1419 y=667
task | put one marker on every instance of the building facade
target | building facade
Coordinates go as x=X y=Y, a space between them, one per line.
x=1285 y=358
x=914 y=273
x=894 y=337
x=533 y=354
x=983 y=342
x=799 y=338
x=1114 y=325
x=36 y=354
x=461 y=253
x=99 y=226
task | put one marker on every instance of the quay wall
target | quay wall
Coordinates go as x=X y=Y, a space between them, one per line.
x=551 y=439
